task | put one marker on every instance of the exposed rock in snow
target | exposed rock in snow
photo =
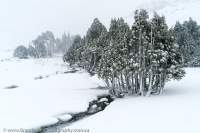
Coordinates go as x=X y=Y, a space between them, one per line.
x=65 y=117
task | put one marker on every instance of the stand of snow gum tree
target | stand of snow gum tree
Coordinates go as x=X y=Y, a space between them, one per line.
x=188 y=38
x=132 y=61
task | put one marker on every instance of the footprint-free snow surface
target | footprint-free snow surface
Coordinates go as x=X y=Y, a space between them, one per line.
x=29 y=103
x=176 y=111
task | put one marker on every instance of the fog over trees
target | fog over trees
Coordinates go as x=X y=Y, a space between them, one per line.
x=46 y=45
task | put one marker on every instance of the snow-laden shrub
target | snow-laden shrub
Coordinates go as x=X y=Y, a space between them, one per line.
x=21 y=52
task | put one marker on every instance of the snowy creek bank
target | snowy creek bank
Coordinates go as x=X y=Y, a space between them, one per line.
x=66 y=119
x=11 y=87
x=65 y=72
x=29 y=104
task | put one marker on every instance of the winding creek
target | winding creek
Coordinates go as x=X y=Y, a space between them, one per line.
x=94 y=107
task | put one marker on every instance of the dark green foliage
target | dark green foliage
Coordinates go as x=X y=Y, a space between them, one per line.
x=94 y=43
x=137 y=60
x=73 y=54
x=188 y=39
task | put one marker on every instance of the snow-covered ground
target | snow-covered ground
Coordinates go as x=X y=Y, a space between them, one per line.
x=38 y=102
x=35 y=103
x=176 y=111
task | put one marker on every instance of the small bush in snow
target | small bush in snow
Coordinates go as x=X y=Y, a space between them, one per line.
x=21 y=52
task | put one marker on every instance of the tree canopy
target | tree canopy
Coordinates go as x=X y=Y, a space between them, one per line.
x=131 y=60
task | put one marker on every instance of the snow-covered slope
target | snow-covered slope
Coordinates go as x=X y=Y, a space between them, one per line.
x=181 y=10
x=5 y=54
x=176 y=111
x=36 y=101
x=173 y=10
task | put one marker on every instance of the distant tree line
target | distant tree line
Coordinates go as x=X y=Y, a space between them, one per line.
x=45 y=45
x=188 y=38
x=136 y=60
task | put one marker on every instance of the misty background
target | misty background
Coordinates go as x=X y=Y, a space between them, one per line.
x=23 y=20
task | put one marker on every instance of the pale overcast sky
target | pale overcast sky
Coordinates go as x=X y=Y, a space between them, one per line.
x=22 y=20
